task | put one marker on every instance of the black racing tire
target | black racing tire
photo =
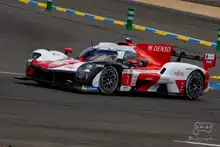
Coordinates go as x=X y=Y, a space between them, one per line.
x=109 y=80
x=194 y=85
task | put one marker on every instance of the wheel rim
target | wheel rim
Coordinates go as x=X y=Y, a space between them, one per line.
x=109 y=80
x=195 y=86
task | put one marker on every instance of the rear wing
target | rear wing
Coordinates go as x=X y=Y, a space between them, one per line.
x=208 y=60
x=161 y=53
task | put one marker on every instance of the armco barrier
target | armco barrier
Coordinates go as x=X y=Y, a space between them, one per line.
x=108 y=20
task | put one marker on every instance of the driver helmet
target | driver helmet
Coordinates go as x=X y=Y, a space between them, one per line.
x=128 y=40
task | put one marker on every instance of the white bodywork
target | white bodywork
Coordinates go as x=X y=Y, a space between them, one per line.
x=56 y=55
x=51 y=55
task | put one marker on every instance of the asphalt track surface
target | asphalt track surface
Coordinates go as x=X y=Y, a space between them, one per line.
x=35 y=116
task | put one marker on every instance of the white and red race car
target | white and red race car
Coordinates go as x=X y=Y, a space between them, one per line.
x=113 y=67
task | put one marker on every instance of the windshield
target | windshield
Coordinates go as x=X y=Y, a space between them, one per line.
x=93 y=54
x=103 y=56
x=97 y=54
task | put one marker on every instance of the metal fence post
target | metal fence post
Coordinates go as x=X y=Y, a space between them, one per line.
x=130 y=18
x=218 y=41
x=49 y=5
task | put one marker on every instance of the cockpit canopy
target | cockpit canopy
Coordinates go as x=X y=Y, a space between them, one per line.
x=102 y=54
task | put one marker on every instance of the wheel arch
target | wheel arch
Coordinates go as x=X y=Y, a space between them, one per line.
x=117 y=69
x=202 y=74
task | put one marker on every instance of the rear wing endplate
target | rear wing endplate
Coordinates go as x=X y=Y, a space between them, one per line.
x=208 y=60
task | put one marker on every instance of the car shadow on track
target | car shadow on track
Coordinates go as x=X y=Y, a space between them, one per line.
x=155 y=96
x=120 y=94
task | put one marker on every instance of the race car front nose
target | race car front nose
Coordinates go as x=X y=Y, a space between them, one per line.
x=29 y=71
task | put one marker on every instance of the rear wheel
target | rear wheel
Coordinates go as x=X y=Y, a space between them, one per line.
x=194 y=85
x=109 y=80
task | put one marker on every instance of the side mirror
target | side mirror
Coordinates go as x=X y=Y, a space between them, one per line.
x=68 y=50
x=143 y=63
x=140 y=63
x=132 y=61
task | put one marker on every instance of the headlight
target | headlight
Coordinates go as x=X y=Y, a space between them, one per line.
x=33 y=56
x=83 y=71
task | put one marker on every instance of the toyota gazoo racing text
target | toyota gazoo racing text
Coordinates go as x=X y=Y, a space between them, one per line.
x=122 y=67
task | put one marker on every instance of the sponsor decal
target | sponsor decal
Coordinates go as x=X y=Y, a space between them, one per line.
x=90 y=88
x=179 y=73
x=56 y=54
x=100 y=65
x=150 y=47
x=70 y=67
x=210 y=56
x=189 y=68
x=58 y=63
x=125 y=88
x=61 y=62
x=158 y=48
x=209 y=62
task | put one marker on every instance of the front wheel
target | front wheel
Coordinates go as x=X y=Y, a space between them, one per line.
x=194 y=85
x=109 y=80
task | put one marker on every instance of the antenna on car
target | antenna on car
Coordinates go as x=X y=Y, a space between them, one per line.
x=92 y=44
